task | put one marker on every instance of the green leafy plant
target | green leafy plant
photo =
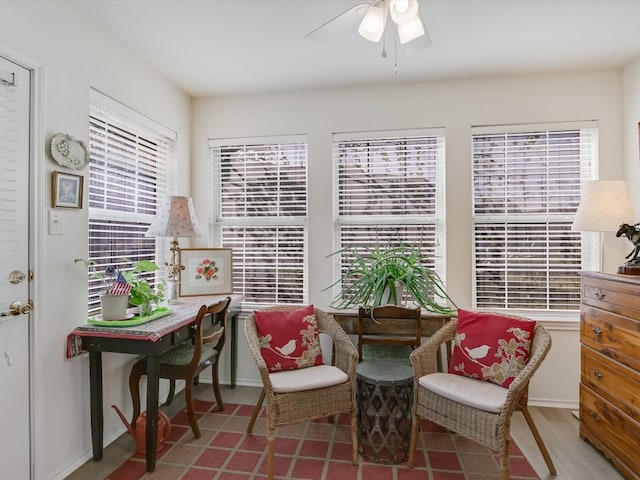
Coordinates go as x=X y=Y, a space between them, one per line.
x=141 y=290
x=373 y=273
x=108 y=277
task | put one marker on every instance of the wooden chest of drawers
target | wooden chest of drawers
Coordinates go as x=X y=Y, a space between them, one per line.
x=610 y=368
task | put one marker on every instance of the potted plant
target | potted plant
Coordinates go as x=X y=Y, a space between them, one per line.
x=374 y=274
x=142 y=295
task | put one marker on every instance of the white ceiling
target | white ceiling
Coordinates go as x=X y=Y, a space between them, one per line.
x=221 y=47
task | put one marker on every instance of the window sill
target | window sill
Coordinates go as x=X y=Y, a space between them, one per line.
x=560 y=320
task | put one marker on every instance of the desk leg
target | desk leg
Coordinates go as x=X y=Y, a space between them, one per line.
x=234 y=349
x=95 y=393
x=153 y=383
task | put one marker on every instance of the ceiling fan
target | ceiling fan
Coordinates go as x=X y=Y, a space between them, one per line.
x=373 y=18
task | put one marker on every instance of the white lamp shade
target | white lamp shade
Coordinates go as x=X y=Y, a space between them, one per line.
x=175 y=218
x=605 y=205
x=372 y=25
x=403 y=11
x=410 y=30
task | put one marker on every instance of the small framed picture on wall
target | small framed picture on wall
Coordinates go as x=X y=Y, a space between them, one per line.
x=66 y=190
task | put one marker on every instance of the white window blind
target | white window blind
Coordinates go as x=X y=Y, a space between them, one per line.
x=526 y=189
x=260 y=195
x=389 y=189
x=129 y=160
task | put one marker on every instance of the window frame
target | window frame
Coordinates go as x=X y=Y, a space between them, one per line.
x=124 y=222
x=588 y=244
x=434 y=250
x=280 y=223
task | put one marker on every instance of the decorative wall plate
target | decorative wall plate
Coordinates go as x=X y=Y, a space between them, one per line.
x=69 y=152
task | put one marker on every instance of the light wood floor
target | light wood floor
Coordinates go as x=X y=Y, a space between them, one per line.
x=574 y=458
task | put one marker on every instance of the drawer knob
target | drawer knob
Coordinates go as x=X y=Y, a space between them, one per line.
x=597 y=373
x=595 y=416
x=600 y=294
x=596 y=330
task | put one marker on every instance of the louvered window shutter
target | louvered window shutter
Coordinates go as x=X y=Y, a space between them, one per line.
x=260 y=196
x=527 y=185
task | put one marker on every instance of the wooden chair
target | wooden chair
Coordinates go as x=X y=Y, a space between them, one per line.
x=463 y=414
x=288 y=405
x=385 y=325
x=187 y=360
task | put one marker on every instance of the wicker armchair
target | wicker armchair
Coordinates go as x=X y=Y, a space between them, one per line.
x=489 y=429
x=289 y=407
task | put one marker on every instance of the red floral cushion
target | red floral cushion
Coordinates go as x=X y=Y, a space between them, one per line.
x=289 y=338
x=490 y=347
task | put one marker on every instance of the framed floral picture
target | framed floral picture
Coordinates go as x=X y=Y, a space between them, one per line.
x=207 y=271
x=66 y=190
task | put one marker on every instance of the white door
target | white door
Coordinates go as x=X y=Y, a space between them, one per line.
x=14 y=267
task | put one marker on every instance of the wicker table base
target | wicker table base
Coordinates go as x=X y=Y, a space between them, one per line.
x=384 y=394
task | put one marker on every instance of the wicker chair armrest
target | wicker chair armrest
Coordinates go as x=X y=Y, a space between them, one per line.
x=540 y=346
x=345 y=352
x=251 y=333
x=424 y=358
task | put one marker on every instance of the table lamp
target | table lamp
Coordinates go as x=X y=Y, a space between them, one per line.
x=175 y=218
x=605 y=206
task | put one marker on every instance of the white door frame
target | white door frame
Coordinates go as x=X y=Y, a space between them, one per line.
x=37 y=365
x=36 y=256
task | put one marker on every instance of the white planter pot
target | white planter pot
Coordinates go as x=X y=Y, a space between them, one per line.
x=387 y=296
x=114 y=307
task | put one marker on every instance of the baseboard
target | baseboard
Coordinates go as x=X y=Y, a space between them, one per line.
x=554 y=403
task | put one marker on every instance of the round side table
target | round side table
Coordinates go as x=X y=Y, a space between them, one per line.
x=384 y=396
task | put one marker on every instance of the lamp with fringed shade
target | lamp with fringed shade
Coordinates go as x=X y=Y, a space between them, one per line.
x=175 y=218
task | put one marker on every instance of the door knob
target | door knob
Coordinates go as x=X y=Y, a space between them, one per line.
x=16 y=277
x=19 y=308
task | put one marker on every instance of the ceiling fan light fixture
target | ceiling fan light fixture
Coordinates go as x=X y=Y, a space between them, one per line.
x=403 y=11
x=372 y=25
x=410 y=30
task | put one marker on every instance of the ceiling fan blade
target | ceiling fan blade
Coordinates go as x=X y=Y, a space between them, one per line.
x=340 y=22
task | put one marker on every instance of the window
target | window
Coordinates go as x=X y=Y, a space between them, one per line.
x=130 y=155
x=260 y=195
x=526 y=190
x=389 y=188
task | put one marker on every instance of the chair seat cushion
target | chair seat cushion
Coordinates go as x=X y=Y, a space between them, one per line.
x=491 y=347
x=183 y=353
x=467 y=391
x=308 y=378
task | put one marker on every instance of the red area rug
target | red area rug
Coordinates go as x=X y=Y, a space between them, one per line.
x=314 y=450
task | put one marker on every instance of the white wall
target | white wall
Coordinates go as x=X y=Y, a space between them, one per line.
x=455 y=105
x=631 y=130
x=73 y=55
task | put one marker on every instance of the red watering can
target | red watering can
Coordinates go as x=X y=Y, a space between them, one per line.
x=139 y=432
